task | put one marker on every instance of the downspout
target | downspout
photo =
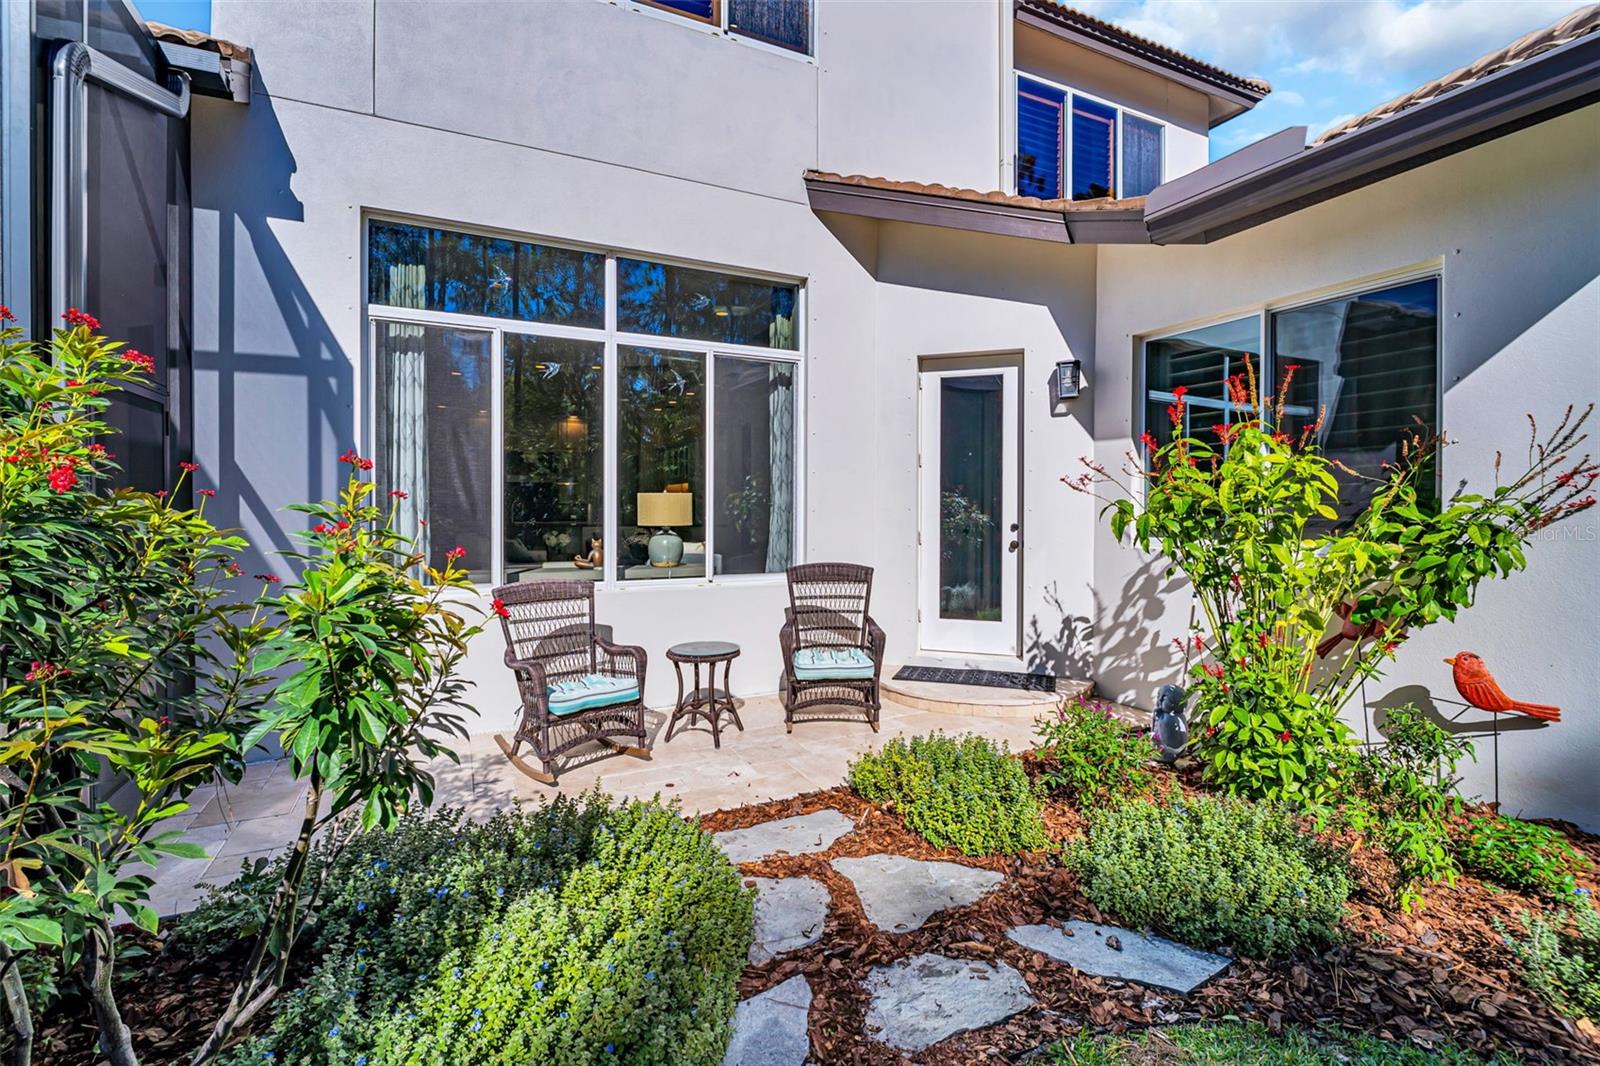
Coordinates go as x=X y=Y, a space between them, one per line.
x=1008 y=98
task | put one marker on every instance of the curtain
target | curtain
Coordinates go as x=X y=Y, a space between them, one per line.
x=780 y=445
x=405 y=437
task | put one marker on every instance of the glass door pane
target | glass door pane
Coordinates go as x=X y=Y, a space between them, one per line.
x=971 y=490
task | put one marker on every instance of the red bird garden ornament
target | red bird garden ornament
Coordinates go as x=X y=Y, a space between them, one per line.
x=1479 y=688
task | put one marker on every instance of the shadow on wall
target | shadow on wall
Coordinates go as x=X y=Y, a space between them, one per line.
x=281 y=382
x=1134 y=656
x=1451 y=715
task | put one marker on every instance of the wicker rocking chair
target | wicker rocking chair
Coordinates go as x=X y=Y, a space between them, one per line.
x=575 y=685
x=832 y=649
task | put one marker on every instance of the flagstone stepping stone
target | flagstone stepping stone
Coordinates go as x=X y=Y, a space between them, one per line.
x=771 y=1029
x=921 y=1000
x=789 y=915
x=1106 y=951
x=799 y=835
x=899 y=894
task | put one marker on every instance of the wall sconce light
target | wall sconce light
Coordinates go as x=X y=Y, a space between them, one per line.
x=1066 y=381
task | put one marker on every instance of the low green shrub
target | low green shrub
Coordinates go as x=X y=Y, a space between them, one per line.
x=1519 y=855
x=958 y=792
x=1214 y=870
x=1562 y=965
x=1402 y=798
x=1090 y=755
x=577 y=933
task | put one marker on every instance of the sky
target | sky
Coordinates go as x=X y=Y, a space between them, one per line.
x=1327 y=60
x=1331 y=60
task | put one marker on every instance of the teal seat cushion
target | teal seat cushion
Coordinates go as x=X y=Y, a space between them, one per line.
x=827 y=664
x=573 y=694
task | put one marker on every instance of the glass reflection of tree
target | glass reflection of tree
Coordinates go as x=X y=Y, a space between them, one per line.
x=553 y=443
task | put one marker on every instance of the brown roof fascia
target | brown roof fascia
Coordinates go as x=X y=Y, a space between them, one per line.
x=1062 y=222
x=1231 y=94
x=1537 y=90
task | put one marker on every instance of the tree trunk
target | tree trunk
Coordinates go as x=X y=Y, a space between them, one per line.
x=263 y=976
x=16 y=1001
x=116 y=1043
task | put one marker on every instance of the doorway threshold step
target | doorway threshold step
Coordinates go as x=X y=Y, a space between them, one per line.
x=981 y=701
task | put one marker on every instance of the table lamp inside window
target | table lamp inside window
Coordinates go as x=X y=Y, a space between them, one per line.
x=662 y=510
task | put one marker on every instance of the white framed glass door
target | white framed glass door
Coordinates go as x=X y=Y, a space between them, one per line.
x=969 y=533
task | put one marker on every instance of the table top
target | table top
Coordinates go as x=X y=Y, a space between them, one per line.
x=703 y=649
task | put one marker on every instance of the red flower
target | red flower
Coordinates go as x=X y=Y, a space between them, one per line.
x=98 y=451
x=271 y=579
x=161 y=494
x=76 y=318
x=1199 y=642
x=139 y=361
x=1181 y=391
x=1149 y=441
x=44 y=670
x=188 y=468
x=207 y=493
x=1262 y=638
x=499 y=607
x=1285 y=736
x=73 y=383
x=6 y=315
x=1211 y=730
x=322 y=527
x=1213 y=669
x=458 y=552
x=63 y=478
x=399 y=494
x=355 y=460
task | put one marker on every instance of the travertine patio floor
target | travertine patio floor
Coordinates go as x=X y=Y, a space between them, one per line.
x=259 y=816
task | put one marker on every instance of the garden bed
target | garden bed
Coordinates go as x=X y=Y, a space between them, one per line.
x=1439 y=976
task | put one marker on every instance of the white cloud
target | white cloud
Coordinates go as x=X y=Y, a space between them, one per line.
x=1363 y=39
x=1288 y=97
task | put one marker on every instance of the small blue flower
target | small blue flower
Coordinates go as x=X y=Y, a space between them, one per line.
x=456 y=972
x=361 y=906
x=477 y=1012
x=538 y=986
x=545 y=965
x=361 y=1060
x=334 y=1031
x=611 y=1049
x=476 y=1026
x=267 y=1056
x=651 y=976
x=611 y=966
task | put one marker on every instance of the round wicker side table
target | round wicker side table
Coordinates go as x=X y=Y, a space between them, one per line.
x=710 y=702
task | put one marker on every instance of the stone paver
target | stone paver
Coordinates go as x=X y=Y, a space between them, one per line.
x=771 y=1029
x=790 y=912
x=921 y=1000
x=1106 y=951
x=799 y=835
x=899 y=894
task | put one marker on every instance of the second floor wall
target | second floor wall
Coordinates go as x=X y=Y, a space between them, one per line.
x=909 y=91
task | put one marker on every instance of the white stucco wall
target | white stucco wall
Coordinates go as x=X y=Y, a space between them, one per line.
x=1515 y=227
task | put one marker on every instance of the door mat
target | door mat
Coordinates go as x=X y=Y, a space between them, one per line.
x=986 y=678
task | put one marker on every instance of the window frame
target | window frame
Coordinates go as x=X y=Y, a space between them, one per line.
x=1263 y=312
x=612 y=338
x=1066 y=133
x=719 y=27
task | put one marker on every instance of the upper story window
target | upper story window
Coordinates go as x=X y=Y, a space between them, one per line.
x=1072 y=145
x=783 y=24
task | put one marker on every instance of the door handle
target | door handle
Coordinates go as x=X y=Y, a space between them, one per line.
x=1013 y=546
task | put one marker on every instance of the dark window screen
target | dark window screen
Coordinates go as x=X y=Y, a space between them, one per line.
x=1039 y=116
x=785 y=23
x=1094 y=149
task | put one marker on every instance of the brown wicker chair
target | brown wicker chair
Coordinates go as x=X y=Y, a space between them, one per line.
x=832 y=649
x=575 y=685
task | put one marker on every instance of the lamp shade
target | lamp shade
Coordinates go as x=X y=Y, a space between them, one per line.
x=666 y=508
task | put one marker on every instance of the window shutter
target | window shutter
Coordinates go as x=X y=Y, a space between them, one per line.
x=1039 y=128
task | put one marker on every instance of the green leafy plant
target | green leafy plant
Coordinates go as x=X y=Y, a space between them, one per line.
x=1230 y=1043
x=1254 y=521
x=1561 y=963
x=120 y=650
x=958 y=792
x=374 y=686
x=576 y=933
x=1520 y=855
x=1214 y=870
x=1402 y=797
x=1087 y=753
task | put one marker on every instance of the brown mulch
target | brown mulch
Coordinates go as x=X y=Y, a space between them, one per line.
x=1441 y=975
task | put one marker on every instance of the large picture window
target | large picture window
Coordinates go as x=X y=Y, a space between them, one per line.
x=663 y=448
x=1365 y=364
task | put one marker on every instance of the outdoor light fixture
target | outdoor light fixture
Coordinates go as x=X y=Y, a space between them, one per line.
x=1065 y=383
